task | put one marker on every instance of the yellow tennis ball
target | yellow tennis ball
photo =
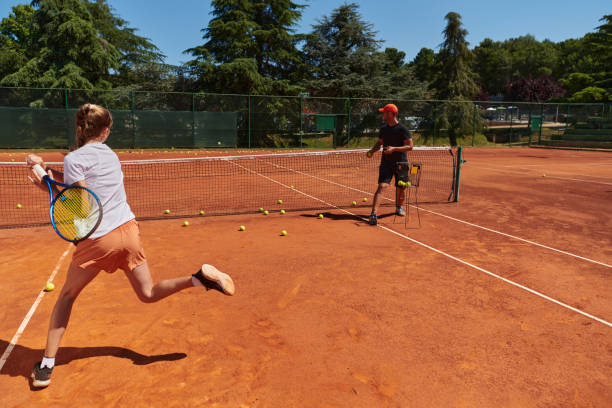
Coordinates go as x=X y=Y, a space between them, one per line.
x=18 y=205
x=320 y=215
x=282 y=211
x=186 y=224
x=201 y=212
x=219 y=143
x=364 y=199
x=543 y=174
x=354 y=203
x=266 y=212
x=49 y=286
x=283 y=233
x=167 y=211
x=242 y=228
x=408 y=183
x=291 y=187
x=260 y=209
x=280 y=201
x=369 y=154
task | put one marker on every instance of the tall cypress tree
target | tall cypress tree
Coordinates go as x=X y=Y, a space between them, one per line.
x=456 y=82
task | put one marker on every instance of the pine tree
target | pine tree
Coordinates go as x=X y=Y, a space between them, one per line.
x=250 y=48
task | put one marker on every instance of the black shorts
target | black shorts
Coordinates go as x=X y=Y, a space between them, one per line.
x=389 y=169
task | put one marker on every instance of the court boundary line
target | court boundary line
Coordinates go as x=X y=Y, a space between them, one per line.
x=516 y=284
x=547 y=176
x=26 y=319
x=462 y=221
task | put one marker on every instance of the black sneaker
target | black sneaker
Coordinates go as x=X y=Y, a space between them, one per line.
x=212 y=278
x=400 y=211
x=373 y=219
x=41 y=377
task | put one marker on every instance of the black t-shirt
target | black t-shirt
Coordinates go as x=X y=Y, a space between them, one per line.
x=394 y=136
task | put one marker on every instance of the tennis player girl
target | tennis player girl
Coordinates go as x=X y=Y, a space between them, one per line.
x=115 y=244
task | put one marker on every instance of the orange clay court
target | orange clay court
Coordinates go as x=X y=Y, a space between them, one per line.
x=502 y=299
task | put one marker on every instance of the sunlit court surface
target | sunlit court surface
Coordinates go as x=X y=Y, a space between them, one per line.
x=499 y=299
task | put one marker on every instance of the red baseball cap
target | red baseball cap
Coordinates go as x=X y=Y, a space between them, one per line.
x=389 y=108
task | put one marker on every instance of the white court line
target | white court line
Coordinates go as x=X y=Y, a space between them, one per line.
x=518 y=285
x=461 y=221
x=547 y=176
x=28 y=316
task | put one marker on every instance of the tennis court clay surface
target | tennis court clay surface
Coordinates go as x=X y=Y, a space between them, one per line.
x=501 y=299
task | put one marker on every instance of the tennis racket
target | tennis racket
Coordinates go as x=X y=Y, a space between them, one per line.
x=75 y=211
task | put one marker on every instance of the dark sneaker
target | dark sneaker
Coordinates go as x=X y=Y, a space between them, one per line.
x=373 y=219
x=212 y=278
x=400 y=211
x=41 y=377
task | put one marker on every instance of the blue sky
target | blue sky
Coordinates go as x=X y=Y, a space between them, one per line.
x=403 y=24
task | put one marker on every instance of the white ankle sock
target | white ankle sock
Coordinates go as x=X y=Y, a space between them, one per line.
x=195 y=281
x=47 y=362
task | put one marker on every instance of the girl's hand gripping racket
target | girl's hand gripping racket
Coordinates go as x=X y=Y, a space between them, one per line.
x=75 y=211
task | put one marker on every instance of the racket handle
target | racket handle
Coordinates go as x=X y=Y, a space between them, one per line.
x=40 y=172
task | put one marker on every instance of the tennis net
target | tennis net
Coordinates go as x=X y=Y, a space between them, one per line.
x=241 y=184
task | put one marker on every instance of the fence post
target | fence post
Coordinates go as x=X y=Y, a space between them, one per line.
x=67 y=118
x=474 y=126
x=301 y=119
x=348 y=131
x=193 y=119
x=249 y=119
x=510 y=139
x=133 y=121
x=541 y=123
x=435 y=121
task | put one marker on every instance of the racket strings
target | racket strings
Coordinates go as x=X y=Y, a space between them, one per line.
x=75 y=213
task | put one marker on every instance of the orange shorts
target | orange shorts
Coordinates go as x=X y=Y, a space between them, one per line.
x=119 y=249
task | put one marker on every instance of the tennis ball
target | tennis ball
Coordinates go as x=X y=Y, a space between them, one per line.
x=283 y=233
x=167 y=211
x=201 y=212
x=219 y=143
x=364 y=199
x=291 y=187
x=280 y=201
x=260 y=209
x=354 y=203
x=282 y=211
x=408 y=183
x=266 y=212
x=49 y=287
x=320 y=215
x=186 y=224
x=18 y=205
x=543 y=174
x=369 y=154
x=242 y=228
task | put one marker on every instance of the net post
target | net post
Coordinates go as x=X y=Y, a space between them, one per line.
x=458 y=173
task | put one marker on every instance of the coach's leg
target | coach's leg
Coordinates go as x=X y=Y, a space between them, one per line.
x=377 y=196
x=400 y=196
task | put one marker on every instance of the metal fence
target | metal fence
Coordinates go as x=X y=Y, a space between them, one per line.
x=44 y=118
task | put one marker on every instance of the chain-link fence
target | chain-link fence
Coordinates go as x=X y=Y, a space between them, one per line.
x=44 y=118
